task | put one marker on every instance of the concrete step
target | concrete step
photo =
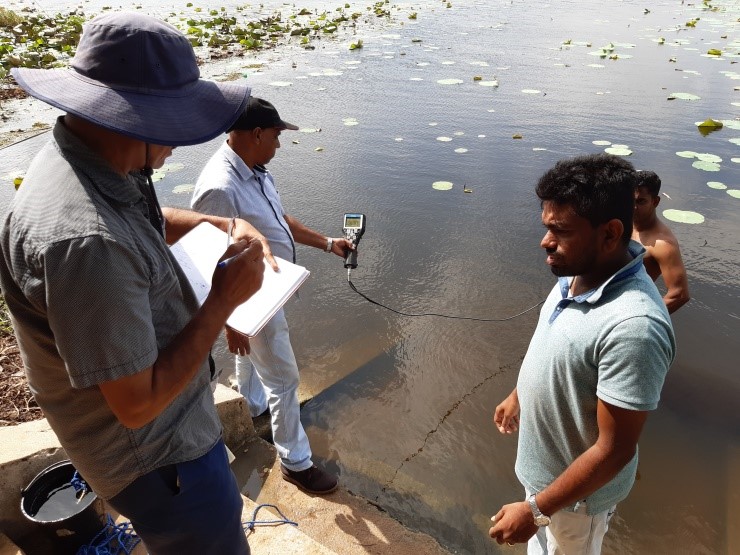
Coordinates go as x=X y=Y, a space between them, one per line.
x=344 y=522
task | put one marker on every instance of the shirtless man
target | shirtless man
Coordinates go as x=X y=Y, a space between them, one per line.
x=663 y=255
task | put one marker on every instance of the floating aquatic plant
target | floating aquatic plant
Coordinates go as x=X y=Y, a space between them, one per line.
x=706 y=166
x=683 y=216
x=442 y=185
x=683 y=96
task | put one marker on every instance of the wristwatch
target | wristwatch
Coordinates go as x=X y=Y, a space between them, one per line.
x=329 y=244
x=539 y=518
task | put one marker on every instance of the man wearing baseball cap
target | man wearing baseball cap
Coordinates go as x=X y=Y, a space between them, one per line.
x=235 y=183
x=114 y=342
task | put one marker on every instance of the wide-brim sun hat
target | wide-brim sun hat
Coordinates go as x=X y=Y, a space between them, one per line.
x=138 y=76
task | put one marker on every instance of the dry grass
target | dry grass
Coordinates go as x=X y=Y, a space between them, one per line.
x=8 y=18
x=16 y=402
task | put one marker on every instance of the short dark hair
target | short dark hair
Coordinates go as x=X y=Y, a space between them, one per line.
x=599 y=187
x=649 y=180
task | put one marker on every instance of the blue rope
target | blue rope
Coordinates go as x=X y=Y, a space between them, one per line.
x=113 y=539
x=79 y=484
x=250 y=524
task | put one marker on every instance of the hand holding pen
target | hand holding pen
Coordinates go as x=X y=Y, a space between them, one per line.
x=239 y=273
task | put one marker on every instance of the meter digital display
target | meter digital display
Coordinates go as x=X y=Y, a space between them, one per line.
x=352 y=221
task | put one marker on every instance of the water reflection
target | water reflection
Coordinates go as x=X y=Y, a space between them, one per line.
x=403 y=405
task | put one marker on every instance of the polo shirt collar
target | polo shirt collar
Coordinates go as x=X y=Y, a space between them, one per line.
x=636 y=250
x=594 y=295
x=125 y=190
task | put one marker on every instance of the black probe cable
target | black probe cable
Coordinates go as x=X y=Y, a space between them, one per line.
x=352 y=286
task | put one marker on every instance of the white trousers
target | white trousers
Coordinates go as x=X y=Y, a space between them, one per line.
x=268 y=376
x=571 y=533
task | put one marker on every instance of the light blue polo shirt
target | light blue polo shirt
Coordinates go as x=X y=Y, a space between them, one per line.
x=614 y=343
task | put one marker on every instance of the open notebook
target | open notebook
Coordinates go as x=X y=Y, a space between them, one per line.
x=198 y=253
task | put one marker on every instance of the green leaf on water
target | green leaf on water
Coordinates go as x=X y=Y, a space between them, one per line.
x=714 y=52
x=709 y=123
x=704 y=157
x=683 y=216
x=442 y=185
x=450 y=81
x=687 y=154
x=601 y=143
x=735 y=193
x=683 y=96
x=706 y=166
x=185 y=188
x=716 y=185
x=618 y=150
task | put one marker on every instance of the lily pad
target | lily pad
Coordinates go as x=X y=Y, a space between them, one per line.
x=450 y=81
x=442 y=185
x=601 y=143
x=706 y=166
x=461 y=150
x=531 y=91
x=185 y=188
x=731 y=123
x=709 y=124
x=618 y=151
x=683 y=96
x=683 y=216
x=687 y=154
x=735 y=141
x=735 y=160
x=350 y=121
x=444 y=139
x=716 y=185
x=704 y=157
x=735 y=193
x=488 y=83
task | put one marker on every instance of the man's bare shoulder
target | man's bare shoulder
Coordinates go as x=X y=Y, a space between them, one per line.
x=656 y=234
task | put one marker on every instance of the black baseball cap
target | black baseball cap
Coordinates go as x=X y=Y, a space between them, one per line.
x=260 y=113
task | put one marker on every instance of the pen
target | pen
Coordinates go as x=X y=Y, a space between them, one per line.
x=226 y=261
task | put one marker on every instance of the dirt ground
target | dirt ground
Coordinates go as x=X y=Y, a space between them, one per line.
x=16 y=402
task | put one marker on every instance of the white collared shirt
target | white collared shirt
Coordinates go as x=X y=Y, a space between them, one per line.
x=227 y=187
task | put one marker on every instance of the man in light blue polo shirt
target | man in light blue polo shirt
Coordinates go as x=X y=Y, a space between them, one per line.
x=595 y=365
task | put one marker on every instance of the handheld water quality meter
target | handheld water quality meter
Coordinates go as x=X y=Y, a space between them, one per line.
x=353 y=228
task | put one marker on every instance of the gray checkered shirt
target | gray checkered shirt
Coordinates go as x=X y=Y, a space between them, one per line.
x=94 y=294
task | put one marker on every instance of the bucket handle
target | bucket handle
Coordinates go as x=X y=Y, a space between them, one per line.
x=45 y=470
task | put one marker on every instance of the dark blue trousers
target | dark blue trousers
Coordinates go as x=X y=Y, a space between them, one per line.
x=187 y=508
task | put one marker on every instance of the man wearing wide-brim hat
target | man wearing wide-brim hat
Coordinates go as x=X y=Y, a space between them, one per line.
x=114 y=342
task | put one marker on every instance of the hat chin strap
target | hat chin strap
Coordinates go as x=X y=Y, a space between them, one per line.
x=156 y=217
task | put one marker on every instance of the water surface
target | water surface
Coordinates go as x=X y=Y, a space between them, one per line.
x=403 y=405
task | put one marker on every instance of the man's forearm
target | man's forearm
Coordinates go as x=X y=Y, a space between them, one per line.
x=305 y=235
x=179 y=222
x=675 y=299
x=138 y=399
x=594 y=468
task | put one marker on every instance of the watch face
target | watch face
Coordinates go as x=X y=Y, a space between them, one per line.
x=542 y=520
